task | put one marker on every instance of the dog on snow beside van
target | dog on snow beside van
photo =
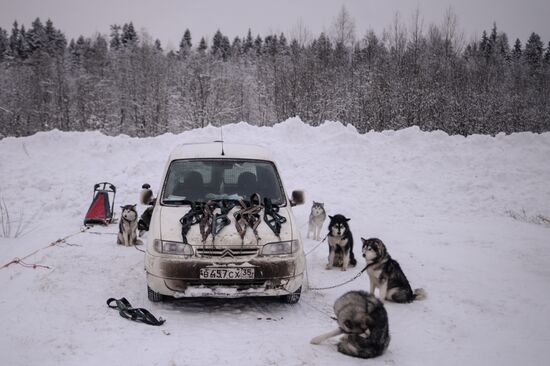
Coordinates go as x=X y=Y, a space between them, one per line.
x=340 y=243
x=386 y=274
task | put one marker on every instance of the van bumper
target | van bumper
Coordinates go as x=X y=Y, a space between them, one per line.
x=180 y=277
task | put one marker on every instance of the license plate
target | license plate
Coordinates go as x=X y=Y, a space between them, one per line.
x=244 y=273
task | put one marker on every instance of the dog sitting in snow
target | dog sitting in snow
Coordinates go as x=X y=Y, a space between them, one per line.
x=127 y=228
x=340 y=243
x=316 y=220
x=386 y=274
x=364 y=321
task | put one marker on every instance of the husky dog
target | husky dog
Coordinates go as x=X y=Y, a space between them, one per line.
x=364 y=321
x=340 y=243
x=386 y=274
x=316 y=219
x=128 y=226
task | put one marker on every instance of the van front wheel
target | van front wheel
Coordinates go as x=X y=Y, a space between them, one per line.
x=154 y=296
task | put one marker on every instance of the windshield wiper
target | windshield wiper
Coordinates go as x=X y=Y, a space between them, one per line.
x=177 y=202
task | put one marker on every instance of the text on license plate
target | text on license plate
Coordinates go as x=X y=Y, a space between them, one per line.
x=244 y=273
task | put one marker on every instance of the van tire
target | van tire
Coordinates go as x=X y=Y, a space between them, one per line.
x=154 y=296
x=292 y=298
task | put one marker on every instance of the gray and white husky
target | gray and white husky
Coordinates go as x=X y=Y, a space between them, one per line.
x=386 y=274
x=364 y=321
x=127 y=228
x=317 y=218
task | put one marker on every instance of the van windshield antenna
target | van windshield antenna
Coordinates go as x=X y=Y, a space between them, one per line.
x=221 y=131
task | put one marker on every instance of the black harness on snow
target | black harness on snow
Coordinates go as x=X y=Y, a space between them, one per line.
x=126 y=311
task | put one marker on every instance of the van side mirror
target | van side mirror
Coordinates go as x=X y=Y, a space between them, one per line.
x=146 y=195
x=298 y=198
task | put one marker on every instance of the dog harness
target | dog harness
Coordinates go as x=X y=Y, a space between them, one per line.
x=272 y=217
x=248 y=215
x=126 y=311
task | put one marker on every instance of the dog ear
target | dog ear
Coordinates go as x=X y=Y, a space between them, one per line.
x=363 y=240
x=330 y=217
x=347 y=219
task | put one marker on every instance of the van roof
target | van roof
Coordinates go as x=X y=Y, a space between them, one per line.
x=214 y=150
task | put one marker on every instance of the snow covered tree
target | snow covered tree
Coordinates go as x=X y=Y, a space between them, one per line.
x=23 y=48
x=202 y=45
x=187 y=39
x=36 y=36
x=4 y=44
x=56 y=41
x=502 y=46
x=185 y=44
x=258 y=44
x=516 y=52
x=158 y=45
x=129 y=36
x=533 y=51
x=217 y=44
x=248 y=43
x=236 y=47
x=485 y=46
x=115 y=42
x=14 y=36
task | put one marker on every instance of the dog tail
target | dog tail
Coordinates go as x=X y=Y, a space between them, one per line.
x=420 y=294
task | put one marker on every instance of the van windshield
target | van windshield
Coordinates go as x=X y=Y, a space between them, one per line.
x=216 y=179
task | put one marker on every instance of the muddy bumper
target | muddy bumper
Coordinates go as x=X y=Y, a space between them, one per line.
x=265 y=276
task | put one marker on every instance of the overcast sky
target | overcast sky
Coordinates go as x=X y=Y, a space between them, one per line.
x=168 y=19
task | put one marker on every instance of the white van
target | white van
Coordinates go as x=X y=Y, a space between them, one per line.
x=222 y=226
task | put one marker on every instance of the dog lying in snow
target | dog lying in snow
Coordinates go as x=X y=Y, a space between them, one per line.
x=363 y=320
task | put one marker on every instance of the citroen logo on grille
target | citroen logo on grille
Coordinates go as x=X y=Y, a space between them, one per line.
x=227 y=253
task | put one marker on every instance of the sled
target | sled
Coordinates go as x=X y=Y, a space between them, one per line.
x=100 y=212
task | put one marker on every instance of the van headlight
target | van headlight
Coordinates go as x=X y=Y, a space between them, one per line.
x=173 y=247
x=281 y=247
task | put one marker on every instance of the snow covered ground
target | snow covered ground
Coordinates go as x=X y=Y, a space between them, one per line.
x=443 y=205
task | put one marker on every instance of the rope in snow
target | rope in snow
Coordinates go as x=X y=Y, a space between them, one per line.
x=340 y=284
x=58 y=242
x=316 y=246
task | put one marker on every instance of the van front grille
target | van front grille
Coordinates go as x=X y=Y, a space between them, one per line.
x=227 y=252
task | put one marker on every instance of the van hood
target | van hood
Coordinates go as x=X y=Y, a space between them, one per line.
x=229 y=236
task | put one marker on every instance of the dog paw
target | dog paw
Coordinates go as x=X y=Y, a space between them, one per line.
x=329 y=267
x=346 y=348
x=344 y=269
